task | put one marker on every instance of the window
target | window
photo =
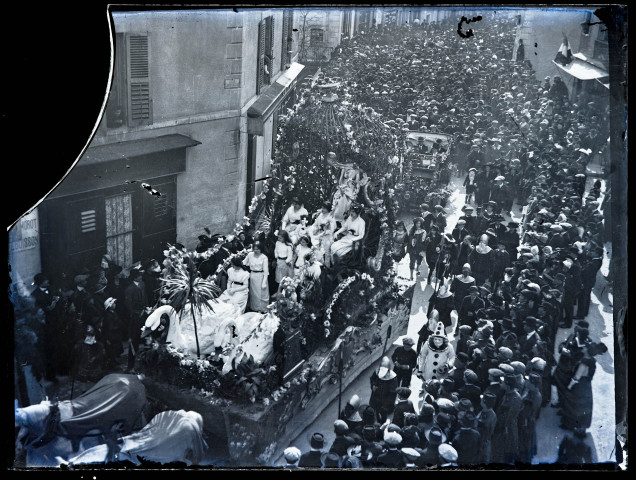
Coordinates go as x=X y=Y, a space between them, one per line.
x=346 y=24
x=130 y=101
x=265 y=53
x=286 y=48
x=317 y=37
x=585 y=26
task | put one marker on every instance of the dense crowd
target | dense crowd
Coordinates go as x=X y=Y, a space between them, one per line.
x=502 y=288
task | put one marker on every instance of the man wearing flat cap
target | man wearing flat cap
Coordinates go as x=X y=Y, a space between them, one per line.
x=447 y=455
x=404 y=361
x=343 y=440
x=393 y=456
x=291 y=455
x=471 y=389
x=403 y=406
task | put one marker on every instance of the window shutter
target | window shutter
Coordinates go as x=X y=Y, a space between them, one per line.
x=139 y=97
x=284 y=51
x=261 y=57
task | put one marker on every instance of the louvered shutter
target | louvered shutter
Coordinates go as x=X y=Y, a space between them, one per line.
x=261 y=57
x=271 y=45
x=285 y=43
x=139 y=94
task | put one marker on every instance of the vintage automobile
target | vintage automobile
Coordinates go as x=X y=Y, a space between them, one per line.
x=426 y=168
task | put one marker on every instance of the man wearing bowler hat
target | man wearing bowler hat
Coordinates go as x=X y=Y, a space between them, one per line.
x=312 y=458
x=429 y=455
x=467 y=439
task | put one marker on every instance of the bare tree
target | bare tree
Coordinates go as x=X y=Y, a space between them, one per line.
x=304 y=21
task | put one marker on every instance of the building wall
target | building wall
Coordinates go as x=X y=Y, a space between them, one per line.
x=542 y=33
x=24 y=252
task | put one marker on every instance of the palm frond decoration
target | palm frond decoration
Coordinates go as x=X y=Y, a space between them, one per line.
x=186 y=287
x=264 y=220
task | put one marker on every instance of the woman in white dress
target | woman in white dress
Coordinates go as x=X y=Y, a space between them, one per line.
x=347 y=191
x=256 y=260
x=321 y=233
x=284 y=253
x=293 y=217
x=237 y=291
x=352 y=230
x=302 y=249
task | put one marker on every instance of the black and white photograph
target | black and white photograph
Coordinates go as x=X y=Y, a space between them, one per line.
x=323 y=236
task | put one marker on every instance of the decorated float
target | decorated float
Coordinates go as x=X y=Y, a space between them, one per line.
x=258 y=379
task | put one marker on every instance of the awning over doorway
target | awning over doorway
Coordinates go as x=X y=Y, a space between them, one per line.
x=135 y=148
x=271 y=98
x=105 y=166
x=582 y=69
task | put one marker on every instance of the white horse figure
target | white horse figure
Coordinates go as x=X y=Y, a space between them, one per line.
x=50 y=431
x=171 y=436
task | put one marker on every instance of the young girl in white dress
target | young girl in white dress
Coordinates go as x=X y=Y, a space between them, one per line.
x=302 y=249
x=284 y=253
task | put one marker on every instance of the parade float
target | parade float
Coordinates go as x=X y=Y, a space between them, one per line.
x=258 y=379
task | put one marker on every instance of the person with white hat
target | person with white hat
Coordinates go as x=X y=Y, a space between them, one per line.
x=437 y=355
x=393 y=456
x=113 y=333
x=350 y=414
x=447 y=455
x=291 y=455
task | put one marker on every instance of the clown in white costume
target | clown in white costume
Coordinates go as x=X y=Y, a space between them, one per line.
x=436 y=357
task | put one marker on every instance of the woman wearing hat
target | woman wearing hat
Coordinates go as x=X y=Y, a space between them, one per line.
x=415 y=248
x=437 y=355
